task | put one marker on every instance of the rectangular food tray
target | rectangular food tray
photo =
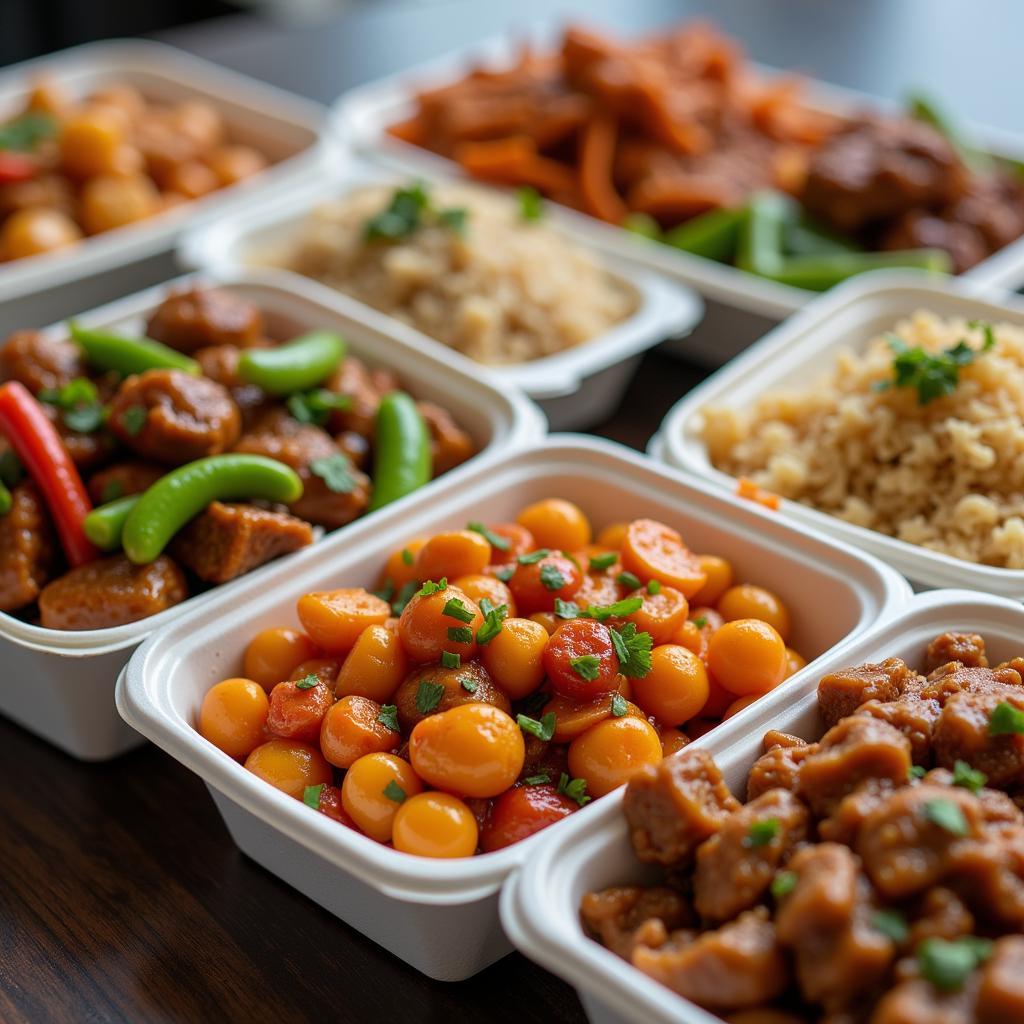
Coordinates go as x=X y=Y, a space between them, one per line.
x=442 y=916
x=60 y=684
x=540 y=907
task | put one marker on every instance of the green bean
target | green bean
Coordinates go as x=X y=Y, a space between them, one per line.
x=104 y=525
x=184 y=492
x=818 y=273
x=6 y=500
x=643 y=225
x=107 y=351
x=803 y=238
x=403 y=460
x=713 y=235
x=922 y=108
x=760 y=247
x=298 y=365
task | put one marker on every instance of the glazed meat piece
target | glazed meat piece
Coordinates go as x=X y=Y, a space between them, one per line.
x=921 y=229
x=1001 y=986
x=39 y=362
x=353 y=379
x=735 y=866
x=110 y=592
x=205 y=316
x=220 y=364
x=778 y=768
x=355 y=446
x=826 y=921
x=906 y=841
x=967 y=648
x=765 y=1015
x=327 y=502
x=26 y=548
x=624 y=917
x=674 y=806
x=843 y=824
x=122 y=479
x=229 y=540
x=841 y=693
x=736 y=966
x=913 y=716
x=962 y=733
x=88 y=450
x=988 y=875
x=951 y=679
x=774 y=738
x=876 y=170
x=173 y=417
x=857 y=749
x=450 y=445
x=940 y=914
x=916 y=1001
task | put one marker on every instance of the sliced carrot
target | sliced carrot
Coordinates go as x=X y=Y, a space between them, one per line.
x=597 y=155
x=746 y=488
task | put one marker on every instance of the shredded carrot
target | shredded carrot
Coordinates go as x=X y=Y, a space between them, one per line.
x=746 y=488
x=597 y=153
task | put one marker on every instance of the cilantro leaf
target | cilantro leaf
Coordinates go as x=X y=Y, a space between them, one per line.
x=628 y=580
x=543 y=729
x=316 y=406
x=394 y=792
x=574 y=789
x=307 y=682
x=428 y=696
x=601 y=562
x=892 y=924
x=455 y=608
x=494 y=539
x=948 y=964
x=619 y=705
x=460 y=634
x=532 y=557
x=388 y=717
x=633 y=650
x=133 y=419
x=450 y=659
x=762 y=833
x=493 y=618
x=311 y=796
x=586 y=666
x=531 y=206
x=783 y=884
x=933 y=374
x=967 y=777
x=335 y=471
x=1005 y=720
x=947 y=815
x=537 y=780
x=551 y=577
x=430 y=587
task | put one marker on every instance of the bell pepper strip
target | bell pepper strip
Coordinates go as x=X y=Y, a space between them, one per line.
x=298 y=365
x=105 y=525
x=16 y=167
x=183 y=493
x=107 y=351
x=41 y=451
x=403 y=460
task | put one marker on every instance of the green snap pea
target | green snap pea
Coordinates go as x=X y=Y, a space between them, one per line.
x=104 y=525
x=6 y=500
x=107 y=351
x=803 y=238
x=818 y=273
x=923 y=108
x=714 y=235
x=403 y=460
x=184 y=492
x=762 y=234
x=297 y=365
x=642 y=225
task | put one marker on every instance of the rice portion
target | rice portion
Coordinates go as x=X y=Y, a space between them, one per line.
x=503 y=290
x=948 y=475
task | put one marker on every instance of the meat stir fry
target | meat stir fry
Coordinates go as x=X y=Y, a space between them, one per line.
x=208 y=447
x=875 y=876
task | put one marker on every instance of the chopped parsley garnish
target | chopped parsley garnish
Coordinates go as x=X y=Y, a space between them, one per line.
x=428 y=696
x=619 y=705
x=948 y=964
x=947 y=815
x=410 y=209
x=408 y=557
x=892 y=924
x=388 y=717
x=468 y=684
x=505 y=573
x=574 y=789
x=494 y=539
x=307 y=682
x=336 y=472
x=394 y=792
x=543 y=729
x=967 y=777
x=586 y=666
x=761 y=833
x=701 y=621
x=112 y=490
x=617 y=610
x=916 y=771
x=493 y=619
x=311 y=796
x=783 y=884
x=566 y=609
x=450 y=659
x=316 y=406
x=455 y=609
x=454 y=217
x=79 y=404
x=405 y=594
x=133 y=419
x=653 y=587
x=933 y=374
x=430 y=587
x=1005 y=720
x=532 y=557
x=551 y=577
x=633 y=650
x=537 y=780
x=628 y=580
x=601 y=562
x=25 y=132
x=460 y=634
x=531 y=206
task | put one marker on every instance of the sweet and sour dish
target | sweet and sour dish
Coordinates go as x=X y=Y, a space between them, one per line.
x=876 y=875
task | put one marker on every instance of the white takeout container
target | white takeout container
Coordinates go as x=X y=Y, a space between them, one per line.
x=59 y=684
x=442 y=916
x=287 y=128
x=576 y=388
x=795 y=355
x=740 y=306
x=540 y=905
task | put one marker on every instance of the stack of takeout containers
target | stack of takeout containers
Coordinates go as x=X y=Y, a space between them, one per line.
x=441 y=916
x=540 y=906
x=72 y=674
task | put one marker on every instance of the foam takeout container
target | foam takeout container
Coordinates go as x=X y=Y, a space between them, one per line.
x=740 y=306
x=576 y=388
x=59 y=684
x=540 y=906
x=795 y=355
x=287 y=128
x=442 y=916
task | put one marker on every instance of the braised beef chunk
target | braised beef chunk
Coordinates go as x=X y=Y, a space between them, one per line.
x=774 y=738
x=913 y=716
x=778 y=768
x=39 y=362
x=1001 y=986
x=939 y=914
x=966 y=648
x=988 y=875
x=951 y=679
x=916 y=1001
x=962 y=733
x=205 y=316
x=354 y=380
x=110 y=592
x=737 y=965
x=627 y=916
x=841 y=693
x=735 y=866
x=450 y=445
x=89 y=450
x=228 y=540
x=121 y=480
x=673 y=807
x=26 y=548
x=220 y=364
x=844 y=823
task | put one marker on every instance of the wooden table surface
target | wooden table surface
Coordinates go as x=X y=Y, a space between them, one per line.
x=123 y=899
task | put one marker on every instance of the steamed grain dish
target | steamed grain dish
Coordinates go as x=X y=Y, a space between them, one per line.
x=479 y=272
x=918 y=437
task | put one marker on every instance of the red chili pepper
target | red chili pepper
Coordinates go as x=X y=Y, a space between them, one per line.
x=41 y=451
x=16 y=167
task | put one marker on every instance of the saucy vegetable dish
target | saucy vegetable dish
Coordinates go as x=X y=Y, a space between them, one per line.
x=135 y=471
x=501 y=677
x=75 y=167
x=873 y=876
x=677 y=138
